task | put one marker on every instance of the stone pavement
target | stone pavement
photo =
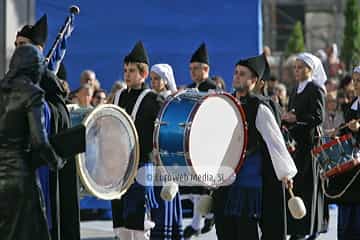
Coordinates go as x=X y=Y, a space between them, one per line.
x=102 y=230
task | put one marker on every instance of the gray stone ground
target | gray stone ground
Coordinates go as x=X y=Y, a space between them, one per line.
x=102 y=230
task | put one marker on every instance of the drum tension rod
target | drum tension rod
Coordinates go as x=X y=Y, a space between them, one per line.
x=184 y=124
x=160 y=123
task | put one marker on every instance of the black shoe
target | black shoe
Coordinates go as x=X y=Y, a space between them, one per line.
x=208 y=225
x=312 y=237
x=190 y=231
x=298 y=237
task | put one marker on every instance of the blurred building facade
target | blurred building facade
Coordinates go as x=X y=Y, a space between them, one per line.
x=13 y=15
x=323 y=22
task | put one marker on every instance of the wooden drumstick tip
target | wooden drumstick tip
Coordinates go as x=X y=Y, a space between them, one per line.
x=292 y=195
x=74 y=9
x=296 y=206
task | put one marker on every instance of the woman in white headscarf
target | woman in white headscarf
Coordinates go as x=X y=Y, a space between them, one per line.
x=168 y=216
x=304 y=117
x=162 y=79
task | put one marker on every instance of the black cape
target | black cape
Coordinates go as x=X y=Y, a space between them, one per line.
x=23 y=145
x=55 y=96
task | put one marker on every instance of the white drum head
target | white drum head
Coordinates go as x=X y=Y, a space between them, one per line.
x=217 y=138
x=109 y=165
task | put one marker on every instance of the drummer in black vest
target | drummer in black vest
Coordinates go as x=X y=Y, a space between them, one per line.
x=272 y=224
x=130 y=214
x=303 y=119
x=238 y=207
x=349 y=202
x=55 y=96
x=200 y=69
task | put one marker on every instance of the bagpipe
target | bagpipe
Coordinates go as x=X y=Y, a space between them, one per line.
x=58 y=49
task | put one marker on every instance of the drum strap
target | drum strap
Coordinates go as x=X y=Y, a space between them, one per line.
x=340 y=194
x=138 y=103
x=117 y=96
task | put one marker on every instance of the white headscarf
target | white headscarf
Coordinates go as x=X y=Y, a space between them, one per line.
x=321 y=54
x=318 y=73
x=165 y=71
x=335 y=53
x=356 y=69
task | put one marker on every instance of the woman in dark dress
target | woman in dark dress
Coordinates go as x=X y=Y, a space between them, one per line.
x=304 y=118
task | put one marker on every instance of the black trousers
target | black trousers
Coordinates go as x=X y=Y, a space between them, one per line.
x=236 y=228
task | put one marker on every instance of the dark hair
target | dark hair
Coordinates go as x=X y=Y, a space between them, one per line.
x=273 y=78
x=345 y=81
x=99 y=91
x=219 y=78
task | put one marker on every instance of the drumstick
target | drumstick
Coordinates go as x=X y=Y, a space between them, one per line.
x=342 y=127
x=296 y=206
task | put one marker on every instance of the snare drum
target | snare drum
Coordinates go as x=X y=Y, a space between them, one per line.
x=337 y=155
x=202 y=133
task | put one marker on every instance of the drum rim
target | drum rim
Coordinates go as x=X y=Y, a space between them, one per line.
x=79 y=157
x=245 y=128
x=318 y=149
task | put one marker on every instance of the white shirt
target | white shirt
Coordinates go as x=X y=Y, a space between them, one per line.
x=165 y=93
x=268 y=128
x=354 y=106
x=302 y=85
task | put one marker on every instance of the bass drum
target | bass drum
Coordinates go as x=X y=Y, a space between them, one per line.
x=109 y=165
x=201 y=135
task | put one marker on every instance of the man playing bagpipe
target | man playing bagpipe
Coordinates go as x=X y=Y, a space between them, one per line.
x=57 y=116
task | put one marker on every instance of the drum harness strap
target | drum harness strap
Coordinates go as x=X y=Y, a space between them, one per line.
x=338 y=195
x=138 y=101
x=117 y=96
x=150 y=195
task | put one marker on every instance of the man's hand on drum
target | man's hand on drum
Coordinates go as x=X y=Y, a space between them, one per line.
x=354 y=125
x=288 y=182
x=289 y=117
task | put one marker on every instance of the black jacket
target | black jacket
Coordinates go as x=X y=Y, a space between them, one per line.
x=204 y=86
x=144 y=124
x=55 y=96
x=145 y=119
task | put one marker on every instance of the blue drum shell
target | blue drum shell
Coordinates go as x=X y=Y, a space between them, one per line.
x=171 y=134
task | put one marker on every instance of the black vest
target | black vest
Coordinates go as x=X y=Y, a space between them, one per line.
x=250 y=104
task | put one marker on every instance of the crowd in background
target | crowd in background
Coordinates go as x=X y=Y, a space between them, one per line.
x=340 y=89
x=339 y=86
